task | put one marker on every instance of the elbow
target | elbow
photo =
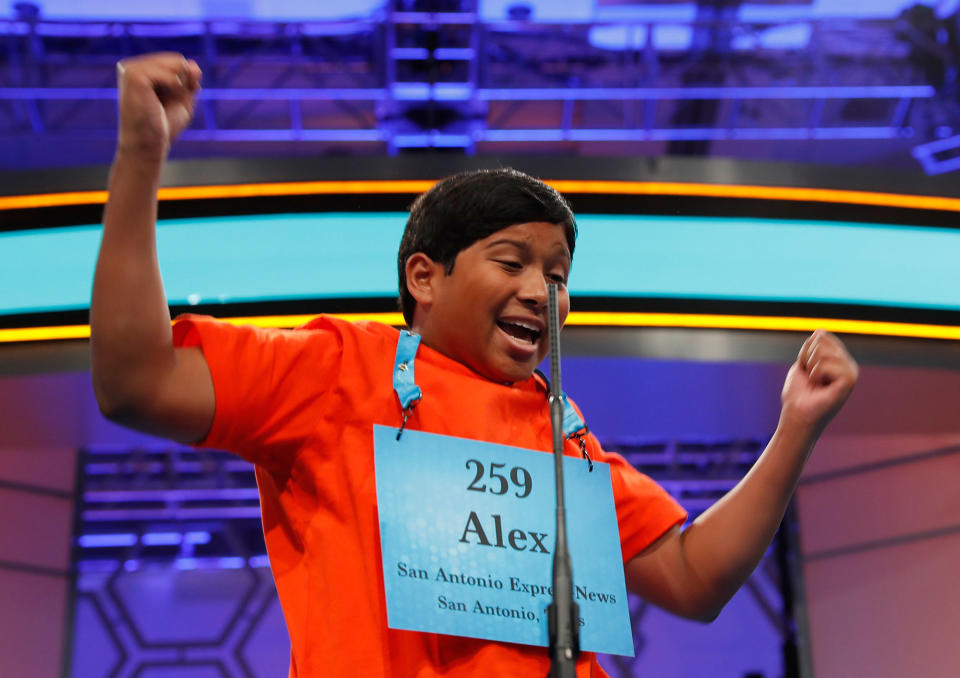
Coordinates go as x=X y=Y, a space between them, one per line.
x=692 y=608
x=708 y=615
x=689 y=602
x=704 y=607
x=112 y=405
x=122 y=386
x=709 y=606
x=108 y=389
x=705 y=613
x=117 y=400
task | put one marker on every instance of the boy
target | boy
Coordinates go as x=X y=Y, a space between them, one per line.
x=475 y=259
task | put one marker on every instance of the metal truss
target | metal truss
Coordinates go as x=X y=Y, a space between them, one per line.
x=194 y=508
x=447 y=80
x=939 y=157
x=200 y=508
x=696 y=472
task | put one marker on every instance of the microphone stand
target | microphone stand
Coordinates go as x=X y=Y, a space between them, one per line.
x=562 y=613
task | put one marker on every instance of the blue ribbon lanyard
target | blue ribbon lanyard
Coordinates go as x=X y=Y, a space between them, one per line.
x=404 y=379
x=409 y=394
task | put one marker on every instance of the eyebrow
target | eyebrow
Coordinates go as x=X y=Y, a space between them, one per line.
x=523 y=245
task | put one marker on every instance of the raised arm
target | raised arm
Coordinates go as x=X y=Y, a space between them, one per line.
x=695 y=572
x=139 y=378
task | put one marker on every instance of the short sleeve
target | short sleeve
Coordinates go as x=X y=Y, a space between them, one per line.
x=266 y=382
x=645 y=511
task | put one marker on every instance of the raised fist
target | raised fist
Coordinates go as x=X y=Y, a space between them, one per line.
x=819 y=382
x=156 y=99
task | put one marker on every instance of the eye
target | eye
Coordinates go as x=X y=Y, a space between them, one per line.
x=510 y=265
x=558 y=278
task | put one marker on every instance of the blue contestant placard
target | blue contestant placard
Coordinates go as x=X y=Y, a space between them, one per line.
x=467 y=533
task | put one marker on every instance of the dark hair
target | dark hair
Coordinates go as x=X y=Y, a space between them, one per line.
x=467 y=207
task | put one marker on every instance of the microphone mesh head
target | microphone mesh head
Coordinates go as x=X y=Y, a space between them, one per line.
x=553 y=334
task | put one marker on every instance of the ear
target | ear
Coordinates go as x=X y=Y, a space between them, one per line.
x=422 y=276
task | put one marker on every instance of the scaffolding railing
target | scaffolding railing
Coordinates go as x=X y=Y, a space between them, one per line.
x=407 y=79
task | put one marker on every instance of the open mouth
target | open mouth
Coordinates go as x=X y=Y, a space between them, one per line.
x=522 y=332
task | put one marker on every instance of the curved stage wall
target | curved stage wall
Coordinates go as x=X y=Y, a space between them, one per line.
x=734 y=251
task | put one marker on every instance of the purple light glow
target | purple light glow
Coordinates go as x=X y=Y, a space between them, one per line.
x=106 y=540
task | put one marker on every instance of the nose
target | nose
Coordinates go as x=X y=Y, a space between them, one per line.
x=533 y=290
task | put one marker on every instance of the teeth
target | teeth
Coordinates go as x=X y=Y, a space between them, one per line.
x=528 y=336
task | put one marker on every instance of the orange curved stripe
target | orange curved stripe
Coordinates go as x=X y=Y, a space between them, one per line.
x=788 y=193
x=785 y=193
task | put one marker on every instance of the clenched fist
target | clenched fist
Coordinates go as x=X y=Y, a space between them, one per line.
x=819 y=382
x=156 y=99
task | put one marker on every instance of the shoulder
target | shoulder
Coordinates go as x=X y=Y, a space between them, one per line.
x=360 y=336
x=192 y=329
x=363 y=329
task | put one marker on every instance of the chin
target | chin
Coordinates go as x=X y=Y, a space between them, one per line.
x=514 y=374
x=504 y=368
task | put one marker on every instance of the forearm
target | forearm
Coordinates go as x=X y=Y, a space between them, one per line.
x=725 y=544
x=695 y=572
x=129 y=318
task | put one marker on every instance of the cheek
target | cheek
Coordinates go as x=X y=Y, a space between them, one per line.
x=564 y=307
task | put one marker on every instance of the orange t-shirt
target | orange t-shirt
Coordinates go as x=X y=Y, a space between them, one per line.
x=301 y=404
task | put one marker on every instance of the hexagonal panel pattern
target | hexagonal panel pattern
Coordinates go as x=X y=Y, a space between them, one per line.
x=162 y=604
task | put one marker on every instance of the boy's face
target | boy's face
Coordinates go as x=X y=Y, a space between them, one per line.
x=490 y=312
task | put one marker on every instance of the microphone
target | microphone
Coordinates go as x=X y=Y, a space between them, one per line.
x=562 y=613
